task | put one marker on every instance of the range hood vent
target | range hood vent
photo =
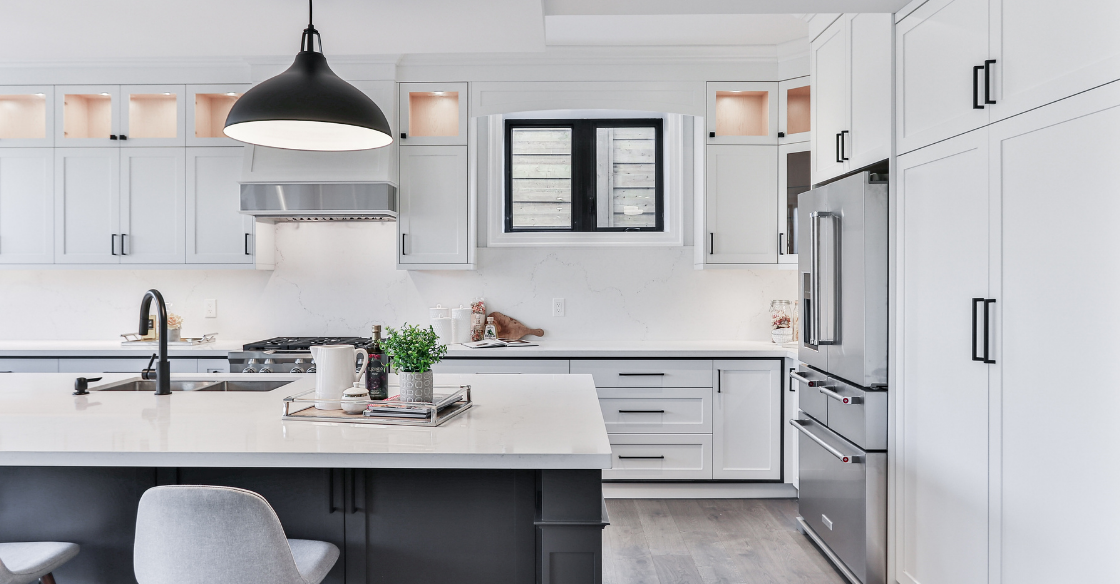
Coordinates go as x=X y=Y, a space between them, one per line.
x=320 y=202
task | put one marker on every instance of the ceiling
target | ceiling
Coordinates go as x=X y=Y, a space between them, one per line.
x=84 y=30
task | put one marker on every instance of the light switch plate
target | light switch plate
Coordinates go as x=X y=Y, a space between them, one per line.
x=210 y=306
x=557 y=307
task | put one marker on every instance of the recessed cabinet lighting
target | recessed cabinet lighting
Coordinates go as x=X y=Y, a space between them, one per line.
x=105 y=94
x=231 y=94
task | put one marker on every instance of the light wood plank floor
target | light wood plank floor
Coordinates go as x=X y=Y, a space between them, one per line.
x=710 y=541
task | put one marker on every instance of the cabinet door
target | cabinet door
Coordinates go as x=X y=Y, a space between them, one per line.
x=152 y=205
x=217 y=232
x=1047 y=52
x=741 y=204
x=742 y=113
x=152 y=115
x=1042 y=232
x=87 y=115
x=942 y=449
x=206 y=109
x=828 y=61
x=433 y=205
x=794 y=178
x=26 y=116
x=870 y=57
x=937 y=47
x=86 y=204
x=748 y=416
x=26 y=206
x=433 y=114
x=794 y=110
x=28 y=365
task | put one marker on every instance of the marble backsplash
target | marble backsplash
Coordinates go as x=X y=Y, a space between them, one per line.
x=341 y=279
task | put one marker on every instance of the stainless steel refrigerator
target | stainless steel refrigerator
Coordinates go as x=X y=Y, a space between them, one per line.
x=842 y=378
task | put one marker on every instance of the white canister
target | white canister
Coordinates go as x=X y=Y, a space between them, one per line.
x=442 y=326
x=354 y=399
x=461 y=324
x=439 y=312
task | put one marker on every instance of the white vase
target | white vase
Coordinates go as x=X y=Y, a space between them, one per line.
x=417 y=387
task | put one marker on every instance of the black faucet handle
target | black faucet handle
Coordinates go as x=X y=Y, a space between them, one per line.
x=81 y=385
x=148 y=372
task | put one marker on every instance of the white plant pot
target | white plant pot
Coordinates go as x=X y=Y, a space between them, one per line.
x=417 y=387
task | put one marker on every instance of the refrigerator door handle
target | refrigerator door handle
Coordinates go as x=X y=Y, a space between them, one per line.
x=818 y=337
x=845 y=458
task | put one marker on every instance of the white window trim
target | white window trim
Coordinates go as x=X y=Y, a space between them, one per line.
x=672 y=167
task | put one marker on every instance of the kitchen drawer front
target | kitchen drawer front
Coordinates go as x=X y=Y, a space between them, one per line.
x=660 y=456
x=28 y=365
x=857 y=414
x=500 y=366
x=119 y=365
x=647 y=372
x=657 y=410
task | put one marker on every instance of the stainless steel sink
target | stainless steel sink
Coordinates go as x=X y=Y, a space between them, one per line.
x=137 y=384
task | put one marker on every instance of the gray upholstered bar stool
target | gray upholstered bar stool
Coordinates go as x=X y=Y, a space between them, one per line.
x=202 y=535
x=26 y=562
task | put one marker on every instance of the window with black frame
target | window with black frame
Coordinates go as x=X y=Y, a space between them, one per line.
x=584 y=175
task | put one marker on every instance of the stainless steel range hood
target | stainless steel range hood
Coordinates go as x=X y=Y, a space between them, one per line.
x=320 y=202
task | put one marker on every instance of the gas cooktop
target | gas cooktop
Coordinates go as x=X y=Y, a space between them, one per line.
x=303 y=343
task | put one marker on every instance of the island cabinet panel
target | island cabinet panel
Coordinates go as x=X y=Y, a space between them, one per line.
x=94 y=507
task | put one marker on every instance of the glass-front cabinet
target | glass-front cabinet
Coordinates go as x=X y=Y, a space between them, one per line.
x=433 y=114
x=207 y=107
x=742 y=113
x=25 y=116
x=87 y=115
x=793 y=110
x=152 y=115
x=794 y=166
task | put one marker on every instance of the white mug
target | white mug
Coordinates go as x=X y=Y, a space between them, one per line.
x=334 y=373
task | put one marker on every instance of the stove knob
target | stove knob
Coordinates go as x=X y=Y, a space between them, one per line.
x=268 y=363
x=299 y=367
x=249 y=367
x=311 y=369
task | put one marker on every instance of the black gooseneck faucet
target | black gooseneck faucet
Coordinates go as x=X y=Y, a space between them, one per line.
x=162 y=372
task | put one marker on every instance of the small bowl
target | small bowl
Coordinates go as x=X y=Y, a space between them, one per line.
x=354 y=400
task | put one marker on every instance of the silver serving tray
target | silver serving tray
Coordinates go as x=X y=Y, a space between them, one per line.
x=455 y=400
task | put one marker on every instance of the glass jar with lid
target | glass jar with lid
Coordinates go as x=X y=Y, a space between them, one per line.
x=781 y=321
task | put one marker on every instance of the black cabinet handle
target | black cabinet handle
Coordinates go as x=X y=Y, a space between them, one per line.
x=331 y=507
x=641 y=411
x=402 y=244
x=781 y=248
x=711 y=134
x=976 y=87
x=123 y=242
x=843 y=146
x=123 y=137
x=711 y=243
x=976 y=356
x=838 y=148
x=112 y=136
x=641 y=374
x=113 y=244
x=987 y=329
x=404 y=136
x=642 y=457
x=988 y=81
x=781 y=134
x=247 y=252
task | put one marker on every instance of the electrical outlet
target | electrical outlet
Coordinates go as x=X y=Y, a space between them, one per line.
x=557 y=307
x=210 y=306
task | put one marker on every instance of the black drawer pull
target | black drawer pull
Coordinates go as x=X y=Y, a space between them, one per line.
x=641 y=411
x=642 y=457
x=639 y=374
x=976 y=87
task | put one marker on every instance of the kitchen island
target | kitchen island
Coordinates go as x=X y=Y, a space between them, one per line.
x=509 y=491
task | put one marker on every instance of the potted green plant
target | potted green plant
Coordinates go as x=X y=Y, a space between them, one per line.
x=414 y=350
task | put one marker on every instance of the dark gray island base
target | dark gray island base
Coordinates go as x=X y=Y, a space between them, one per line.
x=393 y=526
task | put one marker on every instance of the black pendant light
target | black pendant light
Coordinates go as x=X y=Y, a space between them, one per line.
x=308 y=107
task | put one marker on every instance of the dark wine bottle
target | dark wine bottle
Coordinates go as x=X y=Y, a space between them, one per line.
x=377 y=373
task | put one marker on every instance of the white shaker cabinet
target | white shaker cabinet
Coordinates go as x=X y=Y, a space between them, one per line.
x=828 y=62
x=747 y=416
x=26 y=206
x=741 y=205
x=87 y=205
x=742 y=112
x=216 y=231
x=26 y=116
x=433 y=114
x=152 y=206
x=433 y=201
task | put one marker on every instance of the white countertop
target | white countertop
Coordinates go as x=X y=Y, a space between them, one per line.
x=517 y=422
x=111 y=348
x=629 y=349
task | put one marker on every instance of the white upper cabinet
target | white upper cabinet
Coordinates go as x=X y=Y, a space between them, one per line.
x=26 y=206
x=152 y=201
x=87 y=115
x=87 y=205
x=217 y=232
x=794 y=118
x=433 y=223
x=207 y=107
x=1050 y=51
x=26 y=116
x=747 y=416
x=152 y=115
x=850 y=63
x=433 y=114
x=742 y=112
x=741 y=205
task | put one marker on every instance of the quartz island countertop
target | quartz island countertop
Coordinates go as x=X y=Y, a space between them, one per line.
x=522 y=422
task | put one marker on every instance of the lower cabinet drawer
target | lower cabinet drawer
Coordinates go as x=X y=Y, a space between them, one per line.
x=657 y=410
x=660 y=456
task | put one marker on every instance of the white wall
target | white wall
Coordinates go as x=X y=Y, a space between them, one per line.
x=339 y=279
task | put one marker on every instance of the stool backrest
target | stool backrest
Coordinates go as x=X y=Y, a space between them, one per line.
x=203 y=535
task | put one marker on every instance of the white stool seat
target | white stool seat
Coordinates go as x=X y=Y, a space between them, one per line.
x=26 y=562
x=313 y=558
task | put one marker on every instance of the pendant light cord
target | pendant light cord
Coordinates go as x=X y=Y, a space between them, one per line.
x=307 y=43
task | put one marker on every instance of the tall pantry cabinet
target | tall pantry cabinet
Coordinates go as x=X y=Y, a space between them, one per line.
x=1007 y=254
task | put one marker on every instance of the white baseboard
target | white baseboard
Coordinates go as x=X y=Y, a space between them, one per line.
x=699 y=491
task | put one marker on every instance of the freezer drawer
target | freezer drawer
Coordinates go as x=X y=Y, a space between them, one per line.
x=660 y=456
x=857 y=414
x=844 y=503
x=656 y=410
x=806 y=381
